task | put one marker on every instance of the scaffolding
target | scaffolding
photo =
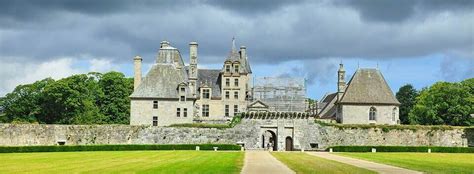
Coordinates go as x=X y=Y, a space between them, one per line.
x=281 y=94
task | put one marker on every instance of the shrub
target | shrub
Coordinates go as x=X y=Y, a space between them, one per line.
x=403 y=149
x=23 y=149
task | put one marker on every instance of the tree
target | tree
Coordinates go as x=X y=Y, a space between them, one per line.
x=115 y=104
x=22 y=105
x=406 y=95
x=72 y=100
x=443 y=103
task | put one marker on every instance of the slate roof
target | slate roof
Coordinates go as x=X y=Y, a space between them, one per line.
x=328 y=108
x=211 y=76
x=368 y=86
x=161 y=82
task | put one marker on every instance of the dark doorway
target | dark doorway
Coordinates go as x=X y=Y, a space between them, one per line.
x=269 y=140
x=289 y=144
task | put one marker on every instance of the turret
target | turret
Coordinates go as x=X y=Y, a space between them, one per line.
x=137 y=62
x=341 y=83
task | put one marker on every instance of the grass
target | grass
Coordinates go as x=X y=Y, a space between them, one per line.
x=426 y=162
x=122 y=162
x=304 y=163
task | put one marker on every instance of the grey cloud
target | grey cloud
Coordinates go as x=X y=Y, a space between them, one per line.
x=301 y=30
x=401 y=10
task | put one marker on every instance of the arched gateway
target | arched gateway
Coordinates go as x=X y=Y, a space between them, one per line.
x=279 y=132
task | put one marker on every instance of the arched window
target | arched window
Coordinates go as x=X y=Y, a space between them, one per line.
x=372 y=114
x=394 y=114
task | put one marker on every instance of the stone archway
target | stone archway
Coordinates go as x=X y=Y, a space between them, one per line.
x=289 y=143
x=269 y=140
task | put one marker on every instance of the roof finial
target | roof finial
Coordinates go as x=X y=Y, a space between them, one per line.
x=377 y=65
x=233 y=44
x=358 y=64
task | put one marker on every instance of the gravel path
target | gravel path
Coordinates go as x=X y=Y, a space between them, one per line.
x=260 y=162
x=380 y=168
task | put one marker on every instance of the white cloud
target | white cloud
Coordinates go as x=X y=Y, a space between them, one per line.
x=13 y=74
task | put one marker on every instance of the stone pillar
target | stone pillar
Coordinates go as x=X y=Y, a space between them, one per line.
x=137 y=61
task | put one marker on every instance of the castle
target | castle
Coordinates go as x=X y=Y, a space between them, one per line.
x=173 y=93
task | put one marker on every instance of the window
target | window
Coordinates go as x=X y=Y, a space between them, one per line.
x=178 y=112
x=236 y=95
x=185 y=112
x=205 y=110
x=226 y=110
x=183 y=90
x=236 y=109
x=394 y=113
x=155 y=121
x=372 y=114
x=205 y=93
x=182 y=98
x=227 y=68
x=236 y=68
x=236 y=82
x=155 y=104
x=227 y=82
x=227 y=95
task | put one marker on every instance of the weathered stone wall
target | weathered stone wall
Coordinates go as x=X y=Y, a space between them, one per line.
x=303 y=132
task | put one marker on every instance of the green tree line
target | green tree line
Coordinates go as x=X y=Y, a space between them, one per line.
x=92 y=98
x=442 y=103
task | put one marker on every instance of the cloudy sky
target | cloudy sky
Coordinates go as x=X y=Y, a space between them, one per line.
x=418 y=42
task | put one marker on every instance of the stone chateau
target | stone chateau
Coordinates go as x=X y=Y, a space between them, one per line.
x=175 y=93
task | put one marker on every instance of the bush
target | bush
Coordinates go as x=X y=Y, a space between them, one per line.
x=24 y=149
x=402 y=149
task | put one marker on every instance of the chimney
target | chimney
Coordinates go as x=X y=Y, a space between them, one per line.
x=193 y=46
x=137 y=62
x=243 y=52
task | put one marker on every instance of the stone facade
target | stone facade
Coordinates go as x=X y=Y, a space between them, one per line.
x=303 y=132
x=359 y=114
x=143 y=112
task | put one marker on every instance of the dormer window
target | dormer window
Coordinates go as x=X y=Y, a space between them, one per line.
x=236 y=68
x=205 y=93
x=227 y=68
x=183 y=89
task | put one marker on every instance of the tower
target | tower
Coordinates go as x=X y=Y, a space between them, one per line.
x=341 y=83
x=137 y=62
x=193 y=70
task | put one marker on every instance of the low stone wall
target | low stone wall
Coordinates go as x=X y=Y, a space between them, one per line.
x=304 y=133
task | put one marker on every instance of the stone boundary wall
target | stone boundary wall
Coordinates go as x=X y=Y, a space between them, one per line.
x=305 y=133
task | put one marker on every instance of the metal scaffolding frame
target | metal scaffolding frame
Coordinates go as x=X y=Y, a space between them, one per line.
x=281 y=94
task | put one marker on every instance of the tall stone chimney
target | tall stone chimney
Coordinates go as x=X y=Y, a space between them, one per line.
x=243 y=52
x=193 y=69
x=137 y=62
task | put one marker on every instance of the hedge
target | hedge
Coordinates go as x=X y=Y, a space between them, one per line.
x=74 y=148
x=402 y=149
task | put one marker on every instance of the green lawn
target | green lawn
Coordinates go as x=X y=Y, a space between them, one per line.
x=304 y=163
x=123 y=162
x=426 y=162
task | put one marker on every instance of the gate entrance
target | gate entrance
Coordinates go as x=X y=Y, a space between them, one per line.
x=269 y=140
